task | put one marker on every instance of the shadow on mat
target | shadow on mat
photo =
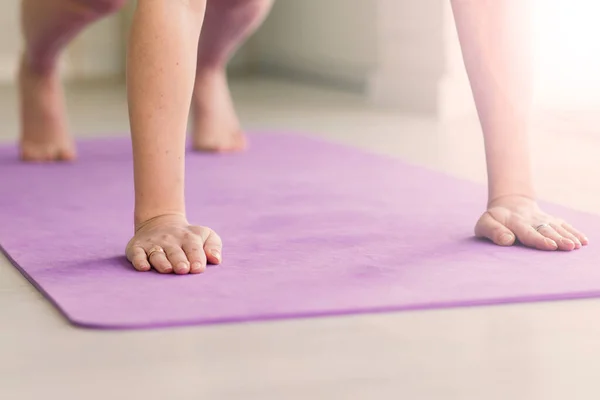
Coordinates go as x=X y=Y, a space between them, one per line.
x=120 y=262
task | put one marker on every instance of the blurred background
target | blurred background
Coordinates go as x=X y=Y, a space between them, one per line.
x=395 y=53
x=385 y=75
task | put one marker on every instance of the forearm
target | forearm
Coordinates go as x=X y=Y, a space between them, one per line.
x=495 y=37
x=160 y=78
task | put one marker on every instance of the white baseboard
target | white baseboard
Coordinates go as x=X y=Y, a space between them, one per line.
x=404 y=91
x=335 y=75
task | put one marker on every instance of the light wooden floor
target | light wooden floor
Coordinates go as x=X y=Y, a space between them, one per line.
x=540 y=351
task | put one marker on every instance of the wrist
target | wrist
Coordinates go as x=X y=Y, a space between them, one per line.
x=146 y=217
x=148 y=207
x=507 y=197
x=506 y=179
x=516 y=188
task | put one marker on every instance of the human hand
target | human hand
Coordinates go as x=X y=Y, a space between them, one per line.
x=168 y=243
x=519 y=217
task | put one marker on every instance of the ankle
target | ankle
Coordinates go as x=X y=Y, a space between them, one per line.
x=210 y=73
x=39 y=66
x=209 y=86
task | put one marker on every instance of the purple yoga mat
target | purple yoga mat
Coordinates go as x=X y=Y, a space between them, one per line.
x=310 y=229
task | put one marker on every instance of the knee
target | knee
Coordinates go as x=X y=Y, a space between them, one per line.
x=194 y=6
x=242 y=9
x=257 y=5
x=104 y=7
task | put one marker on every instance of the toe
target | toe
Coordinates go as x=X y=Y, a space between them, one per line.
x=32 y=153
x=224 y=144
x=66 y=154
x=29 y=154
x=240 y=142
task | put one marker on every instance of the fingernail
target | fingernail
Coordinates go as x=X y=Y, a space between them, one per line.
x=585 y=239
x=506 y=239
x=196 y=265
x=182 y=267
x=567 y=242
x=552 y=243
x=216 y=254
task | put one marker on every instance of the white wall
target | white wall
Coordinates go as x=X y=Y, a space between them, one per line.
x=411 y=59
x=394 y=51
x=455 y=97
x=9 y=39
x=329 y=40
x=567 y=38
x=399 y=53
x=405 y=53
x=97 y=53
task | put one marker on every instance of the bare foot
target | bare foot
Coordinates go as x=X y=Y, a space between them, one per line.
x=216 y=127
x=44 y=135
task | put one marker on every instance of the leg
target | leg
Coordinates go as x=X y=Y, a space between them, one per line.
x=227 y=24
x=48 y=26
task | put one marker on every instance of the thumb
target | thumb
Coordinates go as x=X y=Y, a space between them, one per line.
x=488 y=227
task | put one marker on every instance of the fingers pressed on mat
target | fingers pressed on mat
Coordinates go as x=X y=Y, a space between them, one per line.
x=582 y=238
x=159 y=261
x=488 y=227
x=139 y=259
x=178 y=260
x=532 y=238
x=213 y=248
x=195 y=255
x=562 y=242
x=568 y=235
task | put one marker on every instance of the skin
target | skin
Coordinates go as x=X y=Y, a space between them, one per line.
x=167 y=78
x=164 y=37
x=47 y=26
x=227 y=24
x=495 y=37
x=158 y=111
